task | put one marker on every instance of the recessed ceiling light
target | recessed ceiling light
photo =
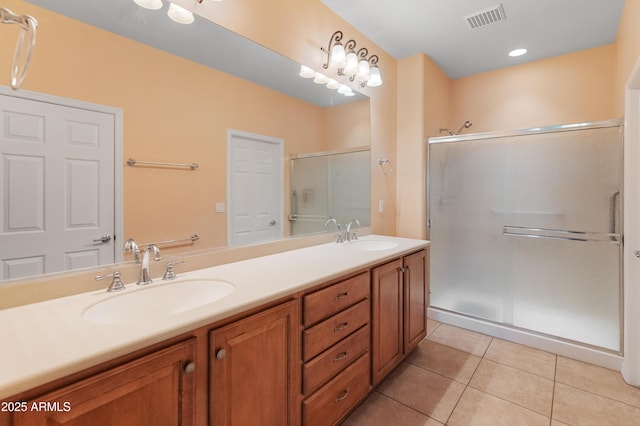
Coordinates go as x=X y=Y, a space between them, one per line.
x=517 y=52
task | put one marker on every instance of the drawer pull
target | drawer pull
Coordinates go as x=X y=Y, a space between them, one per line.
x=340 y=357
x=341 y=296
x=221 y=354
x=342 y=395
x=190 y=367
x=341 y=327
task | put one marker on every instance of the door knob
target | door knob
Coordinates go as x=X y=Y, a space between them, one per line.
x=103 y=239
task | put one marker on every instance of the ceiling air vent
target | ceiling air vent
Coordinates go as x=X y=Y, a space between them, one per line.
x=486 y=17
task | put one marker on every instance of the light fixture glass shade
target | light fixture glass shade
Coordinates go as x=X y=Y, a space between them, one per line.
x=351 y=68
x=344 y=89
x=363 y=70
x=179 y=14
x=306 y=72
x=332 y=84
x=149 y=4
x=320 y=79
x=350 y=93
x=338 y=56
x=376 y=79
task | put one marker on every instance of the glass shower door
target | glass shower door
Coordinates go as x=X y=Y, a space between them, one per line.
x=525 y=231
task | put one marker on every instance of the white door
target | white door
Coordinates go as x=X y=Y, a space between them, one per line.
x=56 y=187
x=255 y=186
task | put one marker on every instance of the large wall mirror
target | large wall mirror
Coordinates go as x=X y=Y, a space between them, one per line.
x=182 y=90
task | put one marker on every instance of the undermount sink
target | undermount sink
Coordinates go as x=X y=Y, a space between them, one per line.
x=157 y=300
x=371 y=245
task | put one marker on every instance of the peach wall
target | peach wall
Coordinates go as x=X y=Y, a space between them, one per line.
x=167 y=117
x=347 y=126
x=423 y=98
x=628 y=51
x=297 y=29
x=571 y=88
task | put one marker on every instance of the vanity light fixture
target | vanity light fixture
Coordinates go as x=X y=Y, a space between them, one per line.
x=177 y=13
x=351 y=62
x=149 y=4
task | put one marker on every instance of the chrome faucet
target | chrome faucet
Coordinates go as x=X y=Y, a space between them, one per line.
x=337 y=225
x=131 y=245
x=145 y=276
x=348 y=236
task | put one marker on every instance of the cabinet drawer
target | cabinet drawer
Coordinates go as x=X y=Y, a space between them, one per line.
x=336 y=398
x=334 y=329
x=324 y=303
x=326 y=365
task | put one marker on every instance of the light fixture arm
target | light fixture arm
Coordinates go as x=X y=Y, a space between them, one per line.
x=335 y=38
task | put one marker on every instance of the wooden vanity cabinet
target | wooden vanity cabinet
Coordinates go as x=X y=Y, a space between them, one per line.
x=399 y=301
x=157 y=389
x=253 y=373
x=336 y=339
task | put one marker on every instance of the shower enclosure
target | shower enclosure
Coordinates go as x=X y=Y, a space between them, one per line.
x=329 y=185
x=525 y=230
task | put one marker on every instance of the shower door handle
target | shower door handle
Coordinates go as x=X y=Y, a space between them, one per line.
x=560 y=234
x=613 y=215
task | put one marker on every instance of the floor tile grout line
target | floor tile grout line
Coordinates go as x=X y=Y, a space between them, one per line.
x=407 y=406
x=637 y=407
x=508 y=401
x=553 y=392
x=467 y=385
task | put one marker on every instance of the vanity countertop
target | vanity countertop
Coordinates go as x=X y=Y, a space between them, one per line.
x=48 y=340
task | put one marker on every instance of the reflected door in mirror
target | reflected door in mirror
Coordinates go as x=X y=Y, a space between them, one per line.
x=256 y=187
x=57 y=187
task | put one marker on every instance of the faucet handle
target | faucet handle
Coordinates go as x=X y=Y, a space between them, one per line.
x=156 y=252
x=116 y=283
x=170 y=273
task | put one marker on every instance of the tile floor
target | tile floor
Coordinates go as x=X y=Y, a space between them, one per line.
x=459 y=377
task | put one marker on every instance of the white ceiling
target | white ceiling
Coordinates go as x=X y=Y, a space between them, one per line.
x=438 y=28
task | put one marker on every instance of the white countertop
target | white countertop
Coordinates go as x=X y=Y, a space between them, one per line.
x=44 y=341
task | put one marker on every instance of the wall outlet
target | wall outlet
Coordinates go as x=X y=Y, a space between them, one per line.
x=219 y=207
x=381 y=206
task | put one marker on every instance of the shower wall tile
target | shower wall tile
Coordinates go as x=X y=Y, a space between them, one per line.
x=523 y=358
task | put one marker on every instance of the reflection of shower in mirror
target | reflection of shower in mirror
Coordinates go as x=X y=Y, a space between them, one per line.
x=466 y=125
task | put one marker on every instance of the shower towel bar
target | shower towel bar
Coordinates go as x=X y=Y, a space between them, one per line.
x=308 y=218
x=132 y=162
x=566 y=235
x=192 y=238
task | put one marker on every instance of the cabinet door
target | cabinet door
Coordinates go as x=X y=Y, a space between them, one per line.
x=158 y=389
x=254 y=379
x=387 y=319
x=415 y=299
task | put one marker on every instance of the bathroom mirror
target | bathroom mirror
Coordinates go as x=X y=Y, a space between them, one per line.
x=178 y=105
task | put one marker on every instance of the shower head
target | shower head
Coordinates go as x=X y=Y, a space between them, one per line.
x=466 y=125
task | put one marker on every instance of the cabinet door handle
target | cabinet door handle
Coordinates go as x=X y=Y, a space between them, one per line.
x=342 y=395
x=340 y=327
x=401 y=269
x=190 y=367
x=340 y=356
x=341 y=296
x=220 y=354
